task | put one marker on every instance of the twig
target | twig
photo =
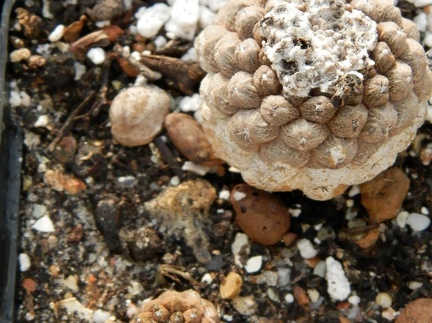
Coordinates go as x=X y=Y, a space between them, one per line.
x=67 y=126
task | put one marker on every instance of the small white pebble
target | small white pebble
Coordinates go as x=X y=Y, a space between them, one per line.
x=338 y=285
x=127 y=181
x=428 y=39
x=44 y=224
x=24 y=261
x=354 y=300
x=160 y=41
x=421 y=21
x=289 y=298
x=253 y=264
x=420 y=3
x=215 y=5
x=414 y=285
x=207 y=279
x=174 y=181
x=318 y=226
x=42 y=121
x=96 y=55
x=206 y=17
x=349 y=203
x=227 y=317
x=79 y=69
x=238 y=195
x=354 y=190
x=102 y=23
x=190 y=103
x=100 y=316
x=424 y=210
x=295 y=213
x=194 y=168
x=224 y=195
x=306 y=249
x=57 y=33
x=39 y=210
x=384 y=300
x=418 y=222
x=402 y=218
x=190 y=56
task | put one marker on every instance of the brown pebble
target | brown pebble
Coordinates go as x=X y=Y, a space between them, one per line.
x=416 y=312
x=231 y=286
x=262 y=217
x=29 y=285
x=312 y=262
x=189 y=138
x=300 y=296
x=289 y=238
x=369 y=239
x=65 y=150
x=383 y=196
x=76 y=234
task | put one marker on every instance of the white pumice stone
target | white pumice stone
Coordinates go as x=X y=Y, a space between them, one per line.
x=152 y=19
x=338 y=285
x=418 y=221
x=96 y=55
x=184 y=18
x=24 y=261
x=306 y=248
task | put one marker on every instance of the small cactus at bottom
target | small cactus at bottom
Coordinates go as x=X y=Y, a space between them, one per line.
x=177 y=307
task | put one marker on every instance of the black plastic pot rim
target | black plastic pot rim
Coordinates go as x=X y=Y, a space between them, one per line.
x=10 y=169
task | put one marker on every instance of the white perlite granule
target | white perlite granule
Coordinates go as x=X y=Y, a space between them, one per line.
x=318 y=47
x=338 y=285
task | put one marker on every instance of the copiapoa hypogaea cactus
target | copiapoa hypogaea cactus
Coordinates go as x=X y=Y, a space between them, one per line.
x=314 y=95
x=172 y=307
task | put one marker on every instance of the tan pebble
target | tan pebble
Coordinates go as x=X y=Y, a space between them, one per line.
x=261 y=216
x=369 y=239
x=54 y=271
x=245 y=305
x=416 y=312
x=18 y=55
x=231 y=286
x=384 y=300
x=383 y=196
x=63 y=182
x=188 y=136
x=137 y=114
